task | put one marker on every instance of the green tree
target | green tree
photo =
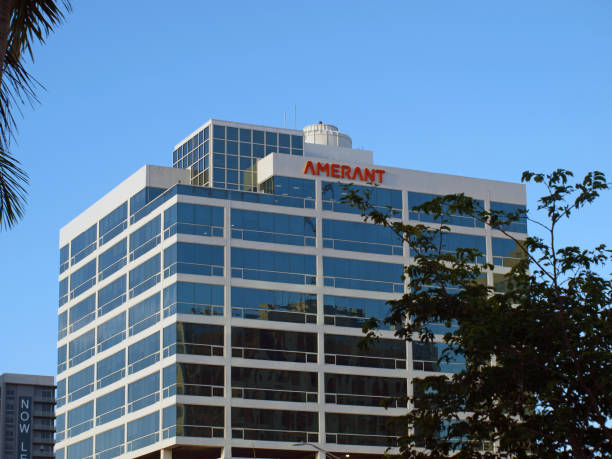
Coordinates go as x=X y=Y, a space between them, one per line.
x=538 y=346
x=23 y=23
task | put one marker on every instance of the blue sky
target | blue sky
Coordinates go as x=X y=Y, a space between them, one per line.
x=475 y=88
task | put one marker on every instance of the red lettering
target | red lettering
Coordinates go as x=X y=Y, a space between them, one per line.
x=309 y=166
x=345 y=172
x=356 y=172
x=323 y=168
x=335 y=170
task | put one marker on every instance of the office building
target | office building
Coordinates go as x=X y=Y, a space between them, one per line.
x=26 y=416
x=214 y=309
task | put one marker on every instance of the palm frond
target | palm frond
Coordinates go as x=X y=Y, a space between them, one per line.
x=31 y=21
x=12 y=190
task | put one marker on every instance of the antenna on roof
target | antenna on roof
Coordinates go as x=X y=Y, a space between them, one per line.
x=284 y=119
x=294 y=116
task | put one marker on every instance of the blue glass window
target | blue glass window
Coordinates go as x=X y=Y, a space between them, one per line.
x=361 y=237
x=112 y=296
x=145 y=238
x=193 y=379
x=273 y=266
x=60 y=394
x=80 y=419
x=62 y=325
x=190 y=298
x=154 y=204
x=284 y=140
x=60 y=424
x=345 y=311
x=363 y=275
x=425 y=357
x=111 y=369
x=258 y=137
x=145 y=275
x=231 y=149
x=144 y=314
x=111 y=332
x=169 y=380
x=81 y=450
x=417 y=199
x=382 y=353
x=519 y=226
x=193 y=219
x=144 y=392
x=113 y=224
x=189 y=338
x=260 y=344
x=274 y=425
x=81 y=383
x=83 y=244
x=245 y=135
x=218 y=147
x=259 y=151
x=143 y=431
x=112 y=260
x=81 y=348
x=297 y=142
x=143 y=353
x=82 y=313
x=109 y=444
x=451 y=242
x=439 y=328
x=110 y=406
x=188 y=258
x=62 y=355
x=251 y=225
x=194 y=421
x=261 y=198
x=63 y=291
x=506 y=252
x=293 y=187
x=250 y=303
x=64 y=258
x=83 y=279
x=218 y=131
x=360 y=429
x=143 y=197
x=379 y=198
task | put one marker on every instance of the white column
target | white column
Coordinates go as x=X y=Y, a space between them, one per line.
x=166 y=453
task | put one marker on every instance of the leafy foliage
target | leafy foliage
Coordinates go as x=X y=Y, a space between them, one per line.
x=538 y=374
x=29 y=22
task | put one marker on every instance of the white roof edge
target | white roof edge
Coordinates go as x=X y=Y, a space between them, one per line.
x=147 y=175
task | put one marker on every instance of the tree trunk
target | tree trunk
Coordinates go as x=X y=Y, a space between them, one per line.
x=6 y=8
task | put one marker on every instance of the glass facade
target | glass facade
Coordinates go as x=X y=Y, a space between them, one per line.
x=181 y=296
x=226 y=156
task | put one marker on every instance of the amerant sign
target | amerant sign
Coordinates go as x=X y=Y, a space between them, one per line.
x=334 y=170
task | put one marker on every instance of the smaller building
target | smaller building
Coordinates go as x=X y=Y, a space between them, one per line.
x=26 y=416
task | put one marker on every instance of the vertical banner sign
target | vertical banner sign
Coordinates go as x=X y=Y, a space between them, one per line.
x=24 y=428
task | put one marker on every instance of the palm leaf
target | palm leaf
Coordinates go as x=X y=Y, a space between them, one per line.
x=12 y=190
x=31 y=21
